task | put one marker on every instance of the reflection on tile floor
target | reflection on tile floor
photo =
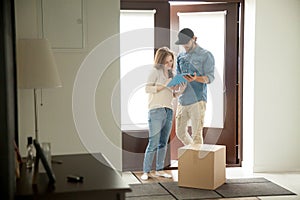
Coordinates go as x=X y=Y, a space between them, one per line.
x=154 y=178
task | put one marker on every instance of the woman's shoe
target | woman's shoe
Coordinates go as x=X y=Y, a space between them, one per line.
x=163 y=174
x=144 y=177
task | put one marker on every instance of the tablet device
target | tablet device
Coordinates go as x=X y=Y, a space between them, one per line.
x=178 y=79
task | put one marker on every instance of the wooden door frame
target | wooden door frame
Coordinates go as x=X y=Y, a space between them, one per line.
x=229 y=135
x=163 y=20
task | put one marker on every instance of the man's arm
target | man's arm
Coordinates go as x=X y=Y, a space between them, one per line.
x=208 y=69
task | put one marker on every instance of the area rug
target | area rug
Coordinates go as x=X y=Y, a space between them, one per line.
x=233 y=188
x=251 y=187
x=148 y=191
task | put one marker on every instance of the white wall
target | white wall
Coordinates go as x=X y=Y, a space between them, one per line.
x=277 y=86
x=56 y=115
x=248 y=85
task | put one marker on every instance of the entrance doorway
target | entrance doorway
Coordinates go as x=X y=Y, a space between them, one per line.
x=225 y=22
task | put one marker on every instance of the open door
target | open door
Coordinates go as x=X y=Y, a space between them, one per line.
x=220 y=20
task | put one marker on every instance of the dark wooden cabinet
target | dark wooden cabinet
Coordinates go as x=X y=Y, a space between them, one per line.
x=101 y=180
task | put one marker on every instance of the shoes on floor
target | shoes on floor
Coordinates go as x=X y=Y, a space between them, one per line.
x=163 y=174
x=145 y=176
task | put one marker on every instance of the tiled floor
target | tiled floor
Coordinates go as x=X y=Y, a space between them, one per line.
x=290 y=181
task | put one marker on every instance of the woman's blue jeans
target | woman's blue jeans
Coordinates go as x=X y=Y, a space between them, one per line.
x=160 y=124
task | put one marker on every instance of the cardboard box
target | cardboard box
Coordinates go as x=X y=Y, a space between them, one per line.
x=202 y=166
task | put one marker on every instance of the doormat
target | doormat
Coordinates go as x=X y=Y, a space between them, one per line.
x=233 y=188
x=148 y=191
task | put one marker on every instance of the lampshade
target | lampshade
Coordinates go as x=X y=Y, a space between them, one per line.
x=36 y=65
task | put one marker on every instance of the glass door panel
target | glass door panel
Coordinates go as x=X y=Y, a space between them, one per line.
x=135 y=66
x=209 y=28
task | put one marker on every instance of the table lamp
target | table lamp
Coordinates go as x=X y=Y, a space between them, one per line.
x=36 y=69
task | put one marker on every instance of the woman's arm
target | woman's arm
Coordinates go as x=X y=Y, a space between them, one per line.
x=152 y=85
x=178 y=89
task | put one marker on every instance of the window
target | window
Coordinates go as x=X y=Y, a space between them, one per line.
x=136 y=63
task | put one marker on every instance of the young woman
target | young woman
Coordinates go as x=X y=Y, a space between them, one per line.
x=160 y=112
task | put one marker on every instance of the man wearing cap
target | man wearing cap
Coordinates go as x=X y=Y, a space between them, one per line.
x=198 y=64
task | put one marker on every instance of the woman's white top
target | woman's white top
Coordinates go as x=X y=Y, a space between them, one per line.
x=160 y=99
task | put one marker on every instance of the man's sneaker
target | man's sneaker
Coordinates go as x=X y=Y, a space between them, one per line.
x=144 y=177
x=163 y=174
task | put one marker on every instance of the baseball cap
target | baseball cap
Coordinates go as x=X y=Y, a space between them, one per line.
x=184 y=36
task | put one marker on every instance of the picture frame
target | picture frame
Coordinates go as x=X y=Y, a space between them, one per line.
x=41 y=156
x=18 y=160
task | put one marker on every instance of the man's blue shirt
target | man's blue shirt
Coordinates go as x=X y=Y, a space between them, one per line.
x=202 y=62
